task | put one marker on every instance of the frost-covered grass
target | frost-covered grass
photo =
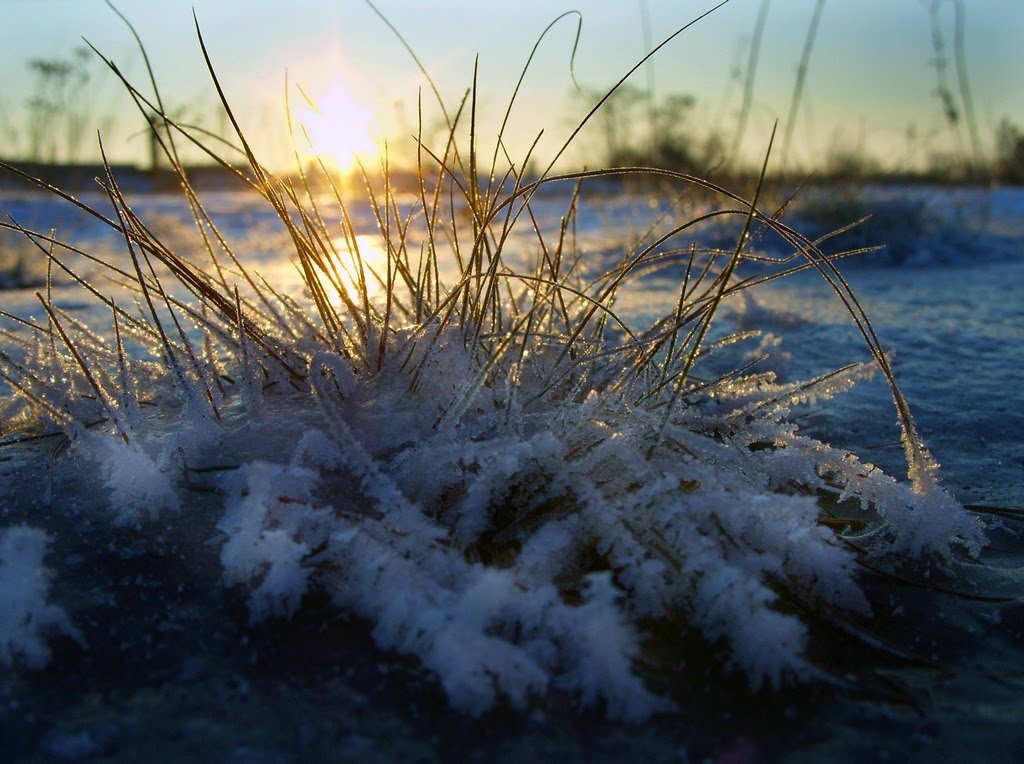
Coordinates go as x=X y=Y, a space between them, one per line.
x=463 y=443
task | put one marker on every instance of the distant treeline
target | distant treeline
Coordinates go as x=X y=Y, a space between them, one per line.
x=78 y=177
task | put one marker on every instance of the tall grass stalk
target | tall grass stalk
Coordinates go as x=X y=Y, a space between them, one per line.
x=801 y=79
x=749 y=78
x=964 y=84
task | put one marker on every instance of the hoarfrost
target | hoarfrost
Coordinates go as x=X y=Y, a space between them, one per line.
x=602 y=663
x=139 y=488
x=24 y=586
x=258 y=551
x=517 y=554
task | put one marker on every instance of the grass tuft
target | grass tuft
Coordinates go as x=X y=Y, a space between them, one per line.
x=465 y=440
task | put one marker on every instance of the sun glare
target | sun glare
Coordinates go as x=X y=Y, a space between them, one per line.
x=337 y=125
x=373 y=256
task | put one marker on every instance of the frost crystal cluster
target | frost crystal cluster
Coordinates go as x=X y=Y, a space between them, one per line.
x=24 y=586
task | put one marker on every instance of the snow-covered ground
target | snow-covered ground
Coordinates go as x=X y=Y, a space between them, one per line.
x=515 y=550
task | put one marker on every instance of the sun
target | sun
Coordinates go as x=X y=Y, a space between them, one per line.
x=337 y=125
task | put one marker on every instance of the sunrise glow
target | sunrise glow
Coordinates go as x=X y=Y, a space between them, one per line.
x=333 y=125
x=374 y=259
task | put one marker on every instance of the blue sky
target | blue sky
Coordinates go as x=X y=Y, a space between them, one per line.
x=870 y=86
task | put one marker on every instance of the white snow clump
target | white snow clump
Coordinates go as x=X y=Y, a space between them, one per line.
x=27 y=618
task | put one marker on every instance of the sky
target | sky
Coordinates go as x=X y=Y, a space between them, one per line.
x=870 y=87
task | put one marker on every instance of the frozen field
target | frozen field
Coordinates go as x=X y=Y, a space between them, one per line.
x=155 y=647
